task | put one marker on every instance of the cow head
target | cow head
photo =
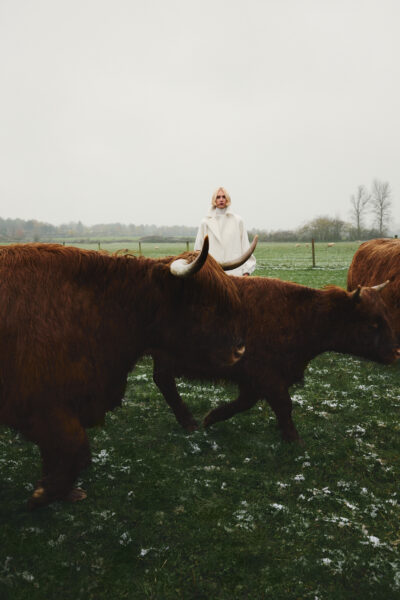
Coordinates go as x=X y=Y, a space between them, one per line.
x=202 y=309
x=371 y=325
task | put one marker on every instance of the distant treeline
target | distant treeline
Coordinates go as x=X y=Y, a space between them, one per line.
x=18 y=230
x=376 y=203
x=322 y=229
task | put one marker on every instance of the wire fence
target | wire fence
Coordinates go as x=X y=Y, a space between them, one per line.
x=270 y=255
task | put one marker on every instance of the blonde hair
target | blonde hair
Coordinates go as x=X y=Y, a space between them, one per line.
x=215 y=194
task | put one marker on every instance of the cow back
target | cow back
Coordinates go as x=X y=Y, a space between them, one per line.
x=375 y=262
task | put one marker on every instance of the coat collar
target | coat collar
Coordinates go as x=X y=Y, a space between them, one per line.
x=212 y=221
x=212 y=211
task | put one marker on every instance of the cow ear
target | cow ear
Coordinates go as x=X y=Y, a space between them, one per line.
x=356 y=295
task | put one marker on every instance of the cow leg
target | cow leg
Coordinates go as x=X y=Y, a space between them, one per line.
x=64 y=449
x=281 y=404
x=165 y=381
x=243 y=402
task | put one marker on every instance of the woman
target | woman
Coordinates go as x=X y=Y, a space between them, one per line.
x=226 y=232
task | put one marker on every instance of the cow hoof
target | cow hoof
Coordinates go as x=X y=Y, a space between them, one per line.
x=207 y=421
x=293 y=439
x=192 y=426
x=39 y=498
x=297 y=441
x=76 y=494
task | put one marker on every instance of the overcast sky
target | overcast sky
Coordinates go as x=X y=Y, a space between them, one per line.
x=134 y=111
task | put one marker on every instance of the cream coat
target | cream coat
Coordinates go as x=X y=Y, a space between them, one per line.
x=228 y=238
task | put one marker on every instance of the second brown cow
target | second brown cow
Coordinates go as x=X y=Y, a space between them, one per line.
x=286 y=325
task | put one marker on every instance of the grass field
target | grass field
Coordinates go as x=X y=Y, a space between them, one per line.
x=231 y=512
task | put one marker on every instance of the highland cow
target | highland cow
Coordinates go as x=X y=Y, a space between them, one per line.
x=376 y=261
x=286 y=325
x=73 y=324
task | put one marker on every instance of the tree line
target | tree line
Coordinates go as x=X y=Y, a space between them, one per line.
x=19 y=230
x=375 y=203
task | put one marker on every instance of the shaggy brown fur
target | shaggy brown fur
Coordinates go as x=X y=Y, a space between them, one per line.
x=286 y=326
x=374 y=262
x=74 y=322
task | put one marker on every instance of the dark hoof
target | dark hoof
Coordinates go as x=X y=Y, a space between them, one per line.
x=192 y=426
x=208 y=421
x=298 y=441
x=76 y=494
x=39 y=498
x=293 y=438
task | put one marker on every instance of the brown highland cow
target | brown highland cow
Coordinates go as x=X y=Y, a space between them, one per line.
x=286 y=325
x=73 y=324
x=376 y=261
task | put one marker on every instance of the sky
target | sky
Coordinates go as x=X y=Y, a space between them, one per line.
x=135 y=111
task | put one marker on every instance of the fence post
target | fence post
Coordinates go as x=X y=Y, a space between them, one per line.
x=313 y=252
x=187 y=246
x=140 y=247
x=99 y=245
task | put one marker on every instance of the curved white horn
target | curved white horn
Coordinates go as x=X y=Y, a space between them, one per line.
x=233 y=264
x=182 y=268
x=380 y=287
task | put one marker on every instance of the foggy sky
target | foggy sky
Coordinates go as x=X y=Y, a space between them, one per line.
x=134 y=111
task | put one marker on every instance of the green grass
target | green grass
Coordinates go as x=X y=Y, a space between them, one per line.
x=227 y=513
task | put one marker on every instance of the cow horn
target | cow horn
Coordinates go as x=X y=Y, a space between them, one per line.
x=356 y=294
x=380 y=287
x=182 y=268
x=233 y=264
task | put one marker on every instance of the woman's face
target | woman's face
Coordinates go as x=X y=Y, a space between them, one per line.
x=220 y=201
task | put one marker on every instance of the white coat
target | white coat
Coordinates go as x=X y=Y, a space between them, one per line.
x=228 y=238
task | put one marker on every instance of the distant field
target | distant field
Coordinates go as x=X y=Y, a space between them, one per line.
x=231 y=513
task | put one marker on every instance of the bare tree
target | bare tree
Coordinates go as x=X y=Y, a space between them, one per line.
x=381 y=204
x=359 y=204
